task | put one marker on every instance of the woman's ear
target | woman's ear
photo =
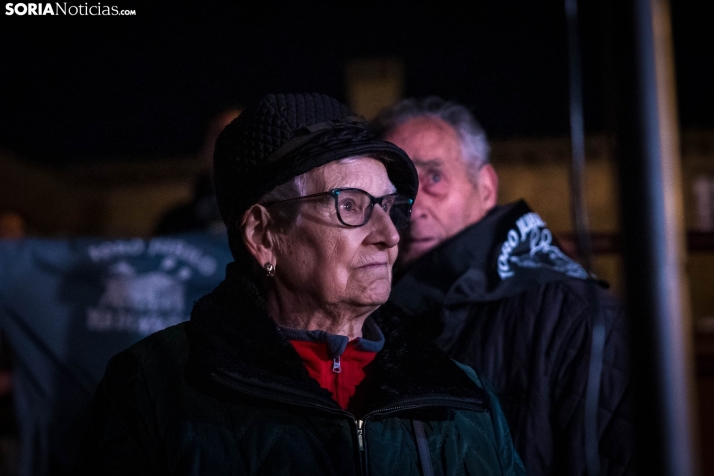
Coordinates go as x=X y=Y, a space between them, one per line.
x=257 y=234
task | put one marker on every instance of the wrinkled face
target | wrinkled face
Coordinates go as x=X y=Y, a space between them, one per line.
x=320 y=260
x=447 y=201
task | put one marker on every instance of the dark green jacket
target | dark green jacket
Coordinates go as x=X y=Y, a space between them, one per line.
x=226 y=394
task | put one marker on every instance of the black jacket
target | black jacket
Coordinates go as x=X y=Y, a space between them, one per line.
x=502 y=298
x=228 y=394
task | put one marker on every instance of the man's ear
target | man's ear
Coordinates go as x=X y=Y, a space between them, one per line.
x=257 y=235
x=488 y=186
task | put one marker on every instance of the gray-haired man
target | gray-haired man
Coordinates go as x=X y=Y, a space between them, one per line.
x=498 y=294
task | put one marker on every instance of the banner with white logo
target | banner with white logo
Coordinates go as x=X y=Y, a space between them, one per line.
x=68 y=306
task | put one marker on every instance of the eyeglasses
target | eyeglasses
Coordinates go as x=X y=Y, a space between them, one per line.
x=354 y=206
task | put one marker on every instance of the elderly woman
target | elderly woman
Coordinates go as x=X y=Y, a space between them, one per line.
x=291 y=366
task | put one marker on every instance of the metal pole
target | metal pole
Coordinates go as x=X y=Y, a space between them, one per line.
x=657 y=295
x=582 y=229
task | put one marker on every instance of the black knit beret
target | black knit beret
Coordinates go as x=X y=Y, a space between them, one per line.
x=285 y=135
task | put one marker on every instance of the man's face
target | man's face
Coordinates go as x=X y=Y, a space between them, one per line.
x=448 y=201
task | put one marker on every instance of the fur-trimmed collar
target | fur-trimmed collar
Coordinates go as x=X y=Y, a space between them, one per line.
x=231 y=332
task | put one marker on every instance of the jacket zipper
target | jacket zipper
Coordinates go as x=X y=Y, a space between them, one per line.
x=272 y=396
x=382 y=411
x=359 y=423
x=425 y=404
x=360 y=434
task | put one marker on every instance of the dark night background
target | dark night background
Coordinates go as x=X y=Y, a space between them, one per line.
x=80 y=89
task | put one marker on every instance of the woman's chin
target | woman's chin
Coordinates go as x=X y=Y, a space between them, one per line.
x=376 y=293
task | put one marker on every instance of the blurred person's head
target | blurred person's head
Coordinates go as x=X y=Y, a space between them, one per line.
x=12 y=225
x=215 y=126
x=457 y=185
x=201 y=213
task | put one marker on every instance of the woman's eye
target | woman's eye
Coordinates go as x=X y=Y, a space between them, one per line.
x=347 y=205
x=387 y=203
x=435 y=178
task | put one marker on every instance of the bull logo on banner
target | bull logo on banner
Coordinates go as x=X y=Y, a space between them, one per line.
x=148 y=300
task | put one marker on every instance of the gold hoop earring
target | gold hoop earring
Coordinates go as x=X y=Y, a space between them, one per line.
x=269 y=269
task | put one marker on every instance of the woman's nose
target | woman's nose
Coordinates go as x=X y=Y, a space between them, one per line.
x=383 y=229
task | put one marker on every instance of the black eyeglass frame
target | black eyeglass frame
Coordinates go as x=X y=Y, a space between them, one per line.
x=335 y=193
